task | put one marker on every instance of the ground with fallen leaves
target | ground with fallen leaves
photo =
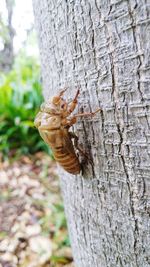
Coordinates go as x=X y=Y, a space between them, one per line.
x=33 y=230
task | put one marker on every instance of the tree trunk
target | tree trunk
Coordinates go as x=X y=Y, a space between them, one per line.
x=7 y=53
x=103 y=47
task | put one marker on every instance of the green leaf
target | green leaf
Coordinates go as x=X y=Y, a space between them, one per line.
x=21 y=96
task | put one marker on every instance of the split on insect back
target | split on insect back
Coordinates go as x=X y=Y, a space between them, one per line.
x=53 y=122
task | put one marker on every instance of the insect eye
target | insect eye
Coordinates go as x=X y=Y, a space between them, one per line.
x=62 y=106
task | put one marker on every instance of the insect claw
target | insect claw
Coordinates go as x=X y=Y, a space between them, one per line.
x=76 y=96
x=93 y=113
x=63 y=91
x=77 y=93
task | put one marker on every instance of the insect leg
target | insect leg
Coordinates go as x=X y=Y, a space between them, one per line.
x=76 y=139
x=69 y=122
x=73 y=103
x=62 y=91
x=56 y=99
x=87 y=114
x=79 y=148
x=73 y=120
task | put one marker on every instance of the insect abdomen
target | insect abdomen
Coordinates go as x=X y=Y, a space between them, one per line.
x=67 y=160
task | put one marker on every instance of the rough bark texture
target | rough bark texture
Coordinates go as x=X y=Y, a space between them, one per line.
x=7 y=54
x=103 y=46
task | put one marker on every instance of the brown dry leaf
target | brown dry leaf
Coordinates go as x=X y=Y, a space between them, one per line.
x=29 y=189
x=42 y=247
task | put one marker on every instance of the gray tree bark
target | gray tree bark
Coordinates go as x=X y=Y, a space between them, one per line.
x=7 y=53
x=103 y=47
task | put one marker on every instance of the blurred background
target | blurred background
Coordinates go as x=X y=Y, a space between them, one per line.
x=33 y=229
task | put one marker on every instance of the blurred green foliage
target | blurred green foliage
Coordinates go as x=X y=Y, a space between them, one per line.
x=20 y=99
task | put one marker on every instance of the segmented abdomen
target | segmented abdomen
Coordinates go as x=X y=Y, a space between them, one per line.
x=67 y=160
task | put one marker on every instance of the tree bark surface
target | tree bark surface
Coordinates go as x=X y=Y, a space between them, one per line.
x=7 y=53
x=103 y=47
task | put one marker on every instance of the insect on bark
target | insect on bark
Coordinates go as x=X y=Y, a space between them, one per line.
x=53 y=123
